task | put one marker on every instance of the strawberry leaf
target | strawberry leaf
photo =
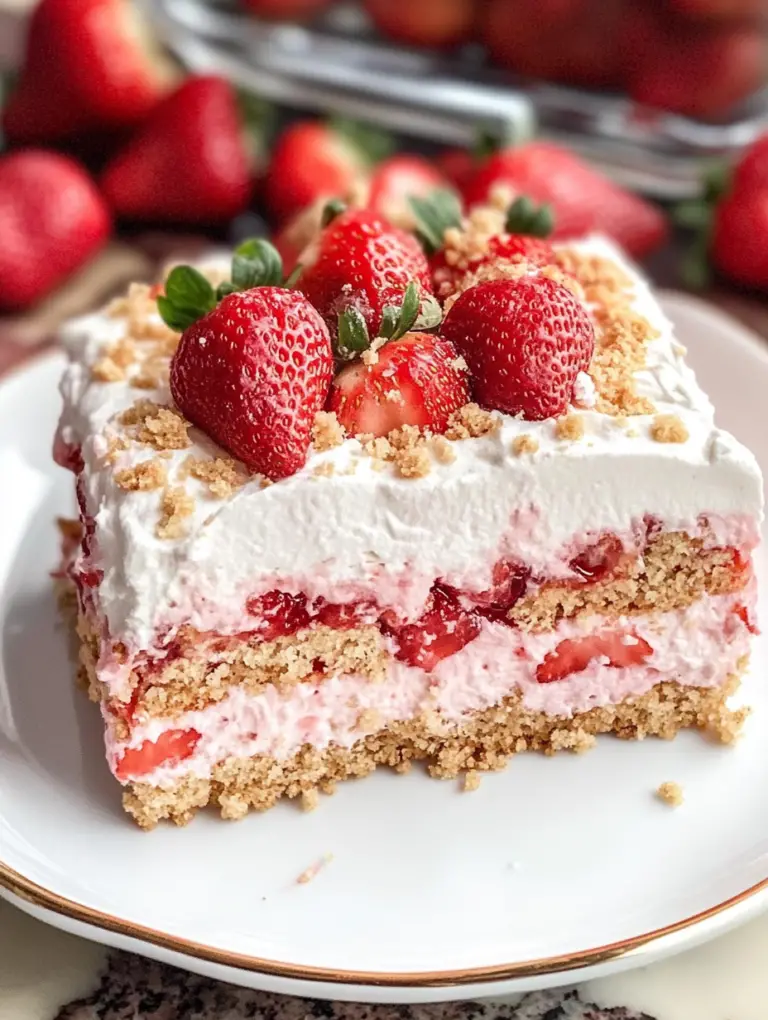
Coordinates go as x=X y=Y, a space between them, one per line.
x=372 y=144
x=256 y=263
x=525 y=217
x=333 y=208
x=353 y=334
x=188 y=297
x=434 y=215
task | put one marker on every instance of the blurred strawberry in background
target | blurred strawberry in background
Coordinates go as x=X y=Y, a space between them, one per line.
x=582 y=199
x=435 y=23
x=52 y=220
x=287 y=9
x=189 y=163
x=89 y=65
x=398 y=179
x=314 y=159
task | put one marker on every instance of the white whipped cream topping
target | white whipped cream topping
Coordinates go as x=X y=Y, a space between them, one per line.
x=697 y=646
x=361 y=528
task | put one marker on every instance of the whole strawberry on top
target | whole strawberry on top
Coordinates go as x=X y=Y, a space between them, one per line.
x=361 y=262
x=88 y=65
x=254 y=362
x=189 y=163
x=525 y=341
x=490 y=237
x=52 y=220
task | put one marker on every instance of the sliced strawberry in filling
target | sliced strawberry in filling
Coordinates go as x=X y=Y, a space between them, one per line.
x=574 y=655
x=599 y=560
x=279 y=614
x=170 y=748
x=509 y=581
x=442 y=630
x=343 y=615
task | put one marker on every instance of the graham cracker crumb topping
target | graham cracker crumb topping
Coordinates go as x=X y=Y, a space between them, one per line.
x=471 y=422
x=671 y=793
x=327 y=431
x=107 y=370
x=443 y=450
x=221 y=475
x=570 y=427
x=176 y=505
x=162 y=428
x=369 y=719
x=325 y=470
x=668 y=428
x=142 y=477
x=309 y=800
x=524 y=444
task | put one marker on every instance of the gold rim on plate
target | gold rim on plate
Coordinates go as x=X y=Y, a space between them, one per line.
x=39 y=896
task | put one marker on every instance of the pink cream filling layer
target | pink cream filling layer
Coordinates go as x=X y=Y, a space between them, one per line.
x=403 y=592
x=698 y=646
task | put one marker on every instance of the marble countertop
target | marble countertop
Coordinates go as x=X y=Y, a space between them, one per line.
x=47 y=975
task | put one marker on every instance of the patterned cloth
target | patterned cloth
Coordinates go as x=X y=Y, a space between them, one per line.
x=136 y=989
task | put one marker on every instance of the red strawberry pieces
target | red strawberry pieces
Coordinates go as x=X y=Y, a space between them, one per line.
x=188 y=163
x=574 y=655
x=86 y=67
x=599 y=560
x=582 y=199
x=253 y=373
x=362 y=262
x=279 y=614
x=170 y=748
x=525 y=341
x=416 y=381
x=442 y=630
x=509 y=582
x=52 y=220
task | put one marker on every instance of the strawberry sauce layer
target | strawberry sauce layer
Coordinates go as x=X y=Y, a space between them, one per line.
x=559 y=673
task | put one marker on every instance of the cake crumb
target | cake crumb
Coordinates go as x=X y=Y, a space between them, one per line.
x=414 y=463
x=176 y=505
x=115 y=446
x=328 y=786
x=309 y=873
x=443 y=450
x=671 y=793
x=309 y=799
x=471 y=422
x=524 y=444
x=404 y=767
x=325 y=470
x=122 y=352
x=570 y=427
x=155 y=425
x=459 y=364
x=668 y=428
x=471 y=781
x=142 y=477
x=107 y=370
x=327 y=431
x=221 y=474
x=370 y=357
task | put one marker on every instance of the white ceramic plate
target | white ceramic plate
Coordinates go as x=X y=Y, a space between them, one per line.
x=554 y=866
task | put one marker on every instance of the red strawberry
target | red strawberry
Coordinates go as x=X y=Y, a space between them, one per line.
x=726 y=10
x=582 y=199
x=313 y=160
x=424 y=22
x=253 y=370
x=575 y=654
x=442 y=630
x=188 y=163
x=663 y=62
x=456 y=166
x=751 y=172
x=87 y=66
x=279 y=614
x=361 y=261
x=399 y=178
x=525 y=341
x=414 y=382
x=288 y=10
x=52 y=220
x=739 y=243
x=599 y=560
x=171 y=747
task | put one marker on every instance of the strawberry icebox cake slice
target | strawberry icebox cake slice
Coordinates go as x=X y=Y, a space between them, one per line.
x=443 y=505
